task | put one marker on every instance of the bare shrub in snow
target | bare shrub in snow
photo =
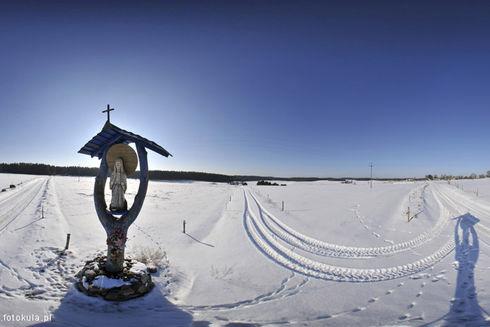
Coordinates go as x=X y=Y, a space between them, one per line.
x=151 y=256
x=222 y=273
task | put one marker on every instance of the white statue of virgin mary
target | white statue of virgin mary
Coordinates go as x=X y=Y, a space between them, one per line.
x=118 y=186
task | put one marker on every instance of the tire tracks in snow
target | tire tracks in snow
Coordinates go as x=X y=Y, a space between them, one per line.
x=18 y=191
x=17 y=210
x=52 y=275
x=268 y=243
x=476 y=207
x=469 y=206
x=318 y=247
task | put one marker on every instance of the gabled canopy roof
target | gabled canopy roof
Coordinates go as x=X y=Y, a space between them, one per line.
x=111 y=134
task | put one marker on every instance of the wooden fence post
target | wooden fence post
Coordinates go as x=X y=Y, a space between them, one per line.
x=67 y=245
x=183 y=226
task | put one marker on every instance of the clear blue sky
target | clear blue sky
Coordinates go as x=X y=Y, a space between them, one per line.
x=253 y=87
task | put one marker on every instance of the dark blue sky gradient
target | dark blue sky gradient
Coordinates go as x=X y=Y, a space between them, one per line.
x=256 y=87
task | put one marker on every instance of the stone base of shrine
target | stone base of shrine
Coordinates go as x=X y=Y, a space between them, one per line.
x=134 y=281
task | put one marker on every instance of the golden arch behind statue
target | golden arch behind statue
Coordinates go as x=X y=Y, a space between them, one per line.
x=126 y=153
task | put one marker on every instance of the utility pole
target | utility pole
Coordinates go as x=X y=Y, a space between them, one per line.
x=371 y=180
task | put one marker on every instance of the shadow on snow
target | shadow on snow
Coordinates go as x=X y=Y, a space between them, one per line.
x=465 y=309
x=153 y=309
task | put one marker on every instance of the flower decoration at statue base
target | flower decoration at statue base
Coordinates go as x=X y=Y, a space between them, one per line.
x=116 y=241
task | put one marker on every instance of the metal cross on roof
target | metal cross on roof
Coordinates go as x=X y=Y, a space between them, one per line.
x=108 y=110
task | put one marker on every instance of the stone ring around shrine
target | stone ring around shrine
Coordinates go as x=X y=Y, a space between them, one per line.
x=126 y=153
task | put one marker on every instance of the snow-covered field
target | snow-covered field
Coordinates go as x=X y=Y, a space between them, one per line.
x=338 y=254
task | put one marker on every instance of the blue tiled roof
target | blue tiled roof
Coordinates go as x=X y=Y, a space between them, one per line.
x=111 y=134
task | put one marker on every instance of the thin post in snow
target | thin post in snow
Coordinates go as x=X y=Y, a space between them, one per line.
x=67 y=244
x=183 y=226
x=42 y=212
x=282 y=206
x=408 y=214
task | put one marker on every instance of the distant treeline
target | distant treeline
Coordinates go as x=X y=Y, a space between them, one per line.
x=187 y=175
x=449 y=177
x=42 y=169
